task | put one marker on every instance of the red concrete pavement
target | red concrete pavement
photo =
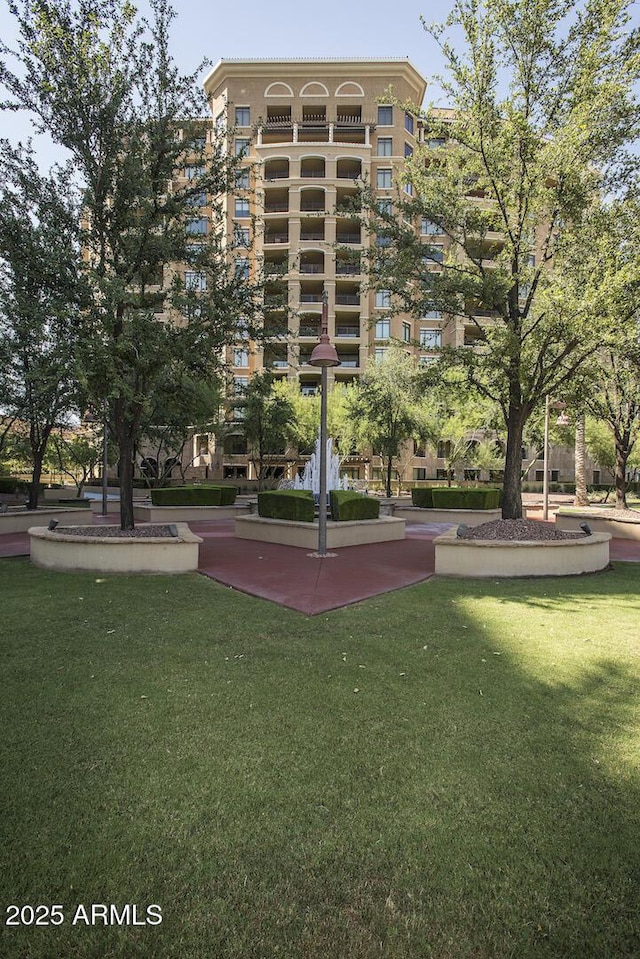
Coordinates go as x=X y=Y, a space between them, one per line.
x=295 y=578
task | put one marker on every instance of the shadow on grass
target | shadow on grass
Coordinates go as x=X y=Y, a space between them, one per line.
x=449 y=771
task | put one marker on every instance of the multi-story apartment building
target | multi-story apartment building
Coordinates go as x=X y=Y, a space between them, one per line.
x=309 y=132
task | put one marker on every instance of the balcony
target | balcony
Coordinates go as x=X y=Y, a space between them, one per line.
x=311 y=297
x=349 y=360
x=312 y=267
x=275 y=268
x=347 y=299
x=276 y=169
x=270 y=237
x=311 y=167
x=349 y=238
x=349 y=169
x=347 y=267
x=309 y=329
x=347 y=332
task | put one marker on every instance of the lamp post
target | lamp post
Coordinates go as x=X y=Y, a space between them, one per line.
x=563 y=420
x=324 y=355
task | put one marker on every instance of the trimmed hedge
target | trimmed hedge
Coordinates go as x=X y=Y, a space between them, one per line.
x=348 y=505
x=194 y=496
x=453 y=497
x=291 y=504
x=422 y=497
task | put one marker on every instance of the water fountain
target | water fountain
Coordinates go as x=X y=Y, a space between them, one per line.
x=311 y=477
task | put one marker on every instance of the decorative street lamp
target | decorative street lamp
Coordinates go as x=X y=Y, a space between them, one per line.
x=324 y=355
x=563 y=420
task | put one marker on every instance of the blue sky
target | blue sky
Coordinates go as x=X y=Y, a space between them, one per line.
x=211 y=29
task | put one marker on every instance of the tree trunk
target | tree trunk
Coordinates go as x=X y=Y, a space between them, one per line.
x=620 y=472
x=512 y=486
x=36 y=473
x=581 y=496
x=125 y=439
x=389 y=467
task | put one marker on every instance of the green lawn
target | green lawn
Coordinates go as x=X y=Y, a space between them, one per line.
x=446 y=772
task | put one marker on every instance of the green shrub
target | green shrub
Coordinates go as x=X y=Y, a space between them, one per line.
x=422 y=497
x=455 y=498
x=9 y=484
x=291 y=504
x=194 y=496
x=347 y=505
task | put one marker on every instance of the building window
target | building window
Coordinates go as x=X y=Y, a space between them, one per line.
x=193 y=171
x=419 y=473
x=430 y=339
x=432 y=315
x=385 y=146
x=240 y=383
x=425 y=360
x=241 y=358
x=419 y=449
x=408 y=150
x=243 y=116
x=428 y=228
x=436 y=254
x=198 y=199
x=406 y=332
x=385 y=116
x=380 y=354
x=241 y=207
x=196 y=227
x=383 y=330
x=242 y=179
x=382 y=241
x=241 y=268
x=242 y=146
x=383 y=299
x=408 y=123
x=539 y=476
x=195 y=281
x=240 y=235
x=596 y=476
x=383 y=179
x=436 y=142
x=408 y=189
x=385 y=207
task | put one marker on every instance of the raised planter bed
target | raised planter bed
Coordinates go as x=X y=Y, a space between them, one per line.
x=506 y=559
x=305 y=535
x=19 y=521
x=115 y=554
x=472 y=517
x=185 y=514
x=619 y=526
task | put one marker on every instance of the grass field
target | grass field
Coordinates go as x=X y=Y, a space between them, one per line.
x=445 y=772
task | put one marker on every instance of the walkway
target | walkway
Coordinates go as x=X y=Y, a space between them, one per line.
x=292 y=577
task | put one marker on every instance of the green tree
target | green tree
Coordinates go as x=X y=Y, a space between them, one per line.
x=499 y=179
x=39 y=302
x=384 y=405
x=101 y=82
x=267 y=419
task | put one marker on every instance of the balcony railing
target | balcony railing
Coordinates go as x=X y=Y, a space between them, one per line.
x=276 y=175
x=347 y=269
x=281 y=207
x=349 y=238
x=312 y=268
x=313 y=330
x=276 y=238
x=311 y=297
x=312 y=208
x=347 y=331
x=314 y=172
x=348 y=299
x=349 y=361
x=276 y=269
x=308 y=235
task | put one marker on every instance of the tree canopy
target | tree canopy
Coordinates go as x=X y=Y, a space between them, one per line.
x=542 y=112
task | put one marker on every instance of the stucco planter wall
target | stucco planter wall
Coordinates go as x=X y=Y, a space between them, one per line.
x=621 y=528
x=483 y=558
x=22 y=520
x=472 y=517
x=186 y=514
x=115 y=554
x=305 y=535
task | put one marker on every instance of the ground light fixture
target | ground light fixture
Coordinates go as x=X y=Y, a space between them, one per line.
x=586 y=529
x=324 y=355
x=52 y=524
